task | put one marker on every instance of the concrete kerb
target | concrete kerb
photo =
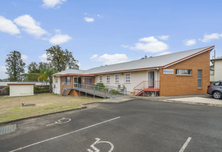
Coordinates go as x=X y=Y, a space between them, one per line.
x=174 y=101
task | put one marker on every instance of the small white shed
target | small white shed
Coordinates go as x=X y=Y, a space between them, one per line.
x=21 y=89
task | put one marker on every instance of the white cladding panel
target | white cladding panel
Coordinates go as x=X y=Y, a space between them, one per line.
x=56 y=85
x=21 y=90
x=218 y=70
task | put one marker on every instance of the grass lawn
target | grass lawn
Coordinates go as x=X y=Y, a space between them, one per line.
x=11 y=108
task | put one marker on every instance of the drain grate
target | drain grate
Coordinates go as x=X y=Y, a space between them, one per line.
x=7 y=129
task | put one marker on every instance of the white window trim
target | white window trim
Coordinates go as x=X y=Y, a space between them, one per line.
x=129 y=79
x=184 y=69
x=56 y=80
x=115 y=78
x=109 y=78
x=99 y=79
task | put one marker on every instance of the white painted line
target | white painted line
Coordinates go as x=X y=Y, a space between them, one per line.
x=185 y=144
x=99 y=142
x=64 y=134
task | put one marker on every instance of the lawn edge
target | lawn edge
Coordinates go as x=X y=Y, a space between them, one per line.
x=83 y=106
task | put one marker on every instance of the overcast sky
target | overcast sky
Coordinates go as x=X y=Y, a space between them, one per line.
x=101 y=32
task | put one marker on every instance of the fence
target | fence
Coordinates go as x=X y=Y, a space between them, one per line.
x=3 y=92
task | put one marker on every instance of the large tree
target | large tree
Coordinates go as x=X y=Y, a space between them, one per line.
x=61 y=59
x=14 y=66
x=33 y=67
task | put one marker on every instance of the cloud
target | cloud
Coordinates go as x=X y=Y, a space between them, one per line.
x=149 y=44
x=30 y=26
x=164 y=37
x=59 y=39
x=52 y=3
x=111 y=59
x=3 y=75
x=94 y=56
x=164 y=53
x=190 y=42
x=8 y=26
x=87 y=19
x=43 y=58
x=208 y=38
x=24 y=57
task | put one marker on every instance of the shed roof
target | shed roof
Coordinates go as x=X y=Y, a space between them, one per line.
x=219 y=58
x=162 y=61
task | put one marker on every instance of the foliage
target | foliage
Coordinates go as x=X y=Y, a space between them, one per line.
x=31 y=77
x=14 y=66
x=45 y=74
x=44 y=89
x=99 y=86
x=61 y=59
x=145 y=57
x=33 y=67
x=7 y=89
x=115 y=92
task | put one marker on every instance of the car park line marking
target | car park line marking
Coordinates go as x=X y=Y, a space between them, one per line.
x=60 y=121
x=185 y=144
x=99 y=142
x=72 y=132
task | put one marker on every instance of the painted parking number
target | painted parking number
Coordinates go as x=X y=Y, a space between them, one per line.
x=98 y=141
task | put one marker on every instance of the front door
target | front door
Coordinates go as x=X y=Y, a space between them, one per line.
x=151 y=79
x=77 y=82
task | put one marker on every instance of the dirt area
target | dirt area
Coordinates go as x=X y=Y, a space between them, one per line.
x=11 y=107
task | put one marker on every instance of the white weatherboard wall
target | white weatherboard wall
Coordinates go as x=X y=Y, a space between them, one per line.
x=56 y=85
x=136 y=78
x=21 y=90
x=218 y=70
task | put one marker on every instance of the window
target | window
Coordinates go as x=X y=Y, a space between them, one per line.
x=217 y=84
x=63 y=80
x=88 y=81
x=100 y=79
x=108 y=79
x=116 y=78
x=68 y=80
x=199 y=78
x=56 y=80
x=183 y=71
x=212 y=72
x=127 y=77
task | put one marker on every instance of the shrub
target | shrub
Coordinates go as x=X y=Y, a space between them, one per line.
x=99 y=86
x=44 y=89
x=7 y=89
x=115 y=92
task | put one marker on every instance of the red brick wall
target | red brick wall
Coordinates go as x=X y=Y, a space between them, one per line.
x=172 y=84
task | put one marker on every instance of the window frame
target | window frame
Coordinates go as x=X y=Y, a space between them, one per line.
x=56 y=80
x=68 y=82
x=107 y=78
x=199 y=78
x=101 y=80
x=128 y=76
x=184 y=69
x=115 y=78
x=63 y=80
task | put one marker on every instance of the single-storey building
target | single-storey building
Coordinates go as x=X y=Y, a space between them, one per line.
x=21 y=89
x=181 y=73
x=216 y=69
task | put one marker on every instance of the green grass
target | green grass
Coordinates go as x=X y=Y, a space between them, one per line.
x=45 y=103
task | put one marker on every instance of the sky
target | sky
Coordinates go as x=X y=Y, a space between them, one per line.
x=103 y=32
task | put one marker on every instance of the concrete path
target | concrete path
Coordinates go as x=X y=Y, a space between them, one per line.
x=200 y=100
x=189 y=99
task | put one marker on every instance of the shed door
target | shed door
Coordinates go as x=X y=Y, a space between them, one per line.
x=151 y=79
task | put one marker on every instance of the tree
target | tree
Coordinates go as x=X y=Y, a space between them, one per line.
x=61 y=59
x=45 y=74
x=145 y=57
x=14 y=66
x=33 y=67
x=31 y=77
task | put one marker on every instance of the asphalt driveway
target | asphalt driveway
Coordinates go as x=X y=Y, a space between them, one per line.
x=138 y=125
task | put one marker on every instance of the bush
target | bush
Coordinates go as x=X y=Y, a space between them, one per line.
x=7 y=89
x=115 y=92
x=99 y=86
x=44 y=89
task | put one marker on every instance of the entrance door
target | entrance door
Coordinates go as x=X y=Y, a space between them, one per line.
x=151 y=79
x=77 y=82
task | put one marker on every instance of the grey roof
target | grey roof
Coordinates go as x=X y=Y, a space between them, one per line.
x=155 y=62
x=36 y=83
x=218 y=58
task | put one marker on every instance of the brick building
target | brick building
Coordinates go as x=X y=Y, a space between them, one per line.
x=181 y=73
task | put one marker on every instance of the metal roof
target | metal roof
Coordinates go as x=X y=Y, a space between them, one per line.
x=219 y=58
x=161 y=61
x=36 y=83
